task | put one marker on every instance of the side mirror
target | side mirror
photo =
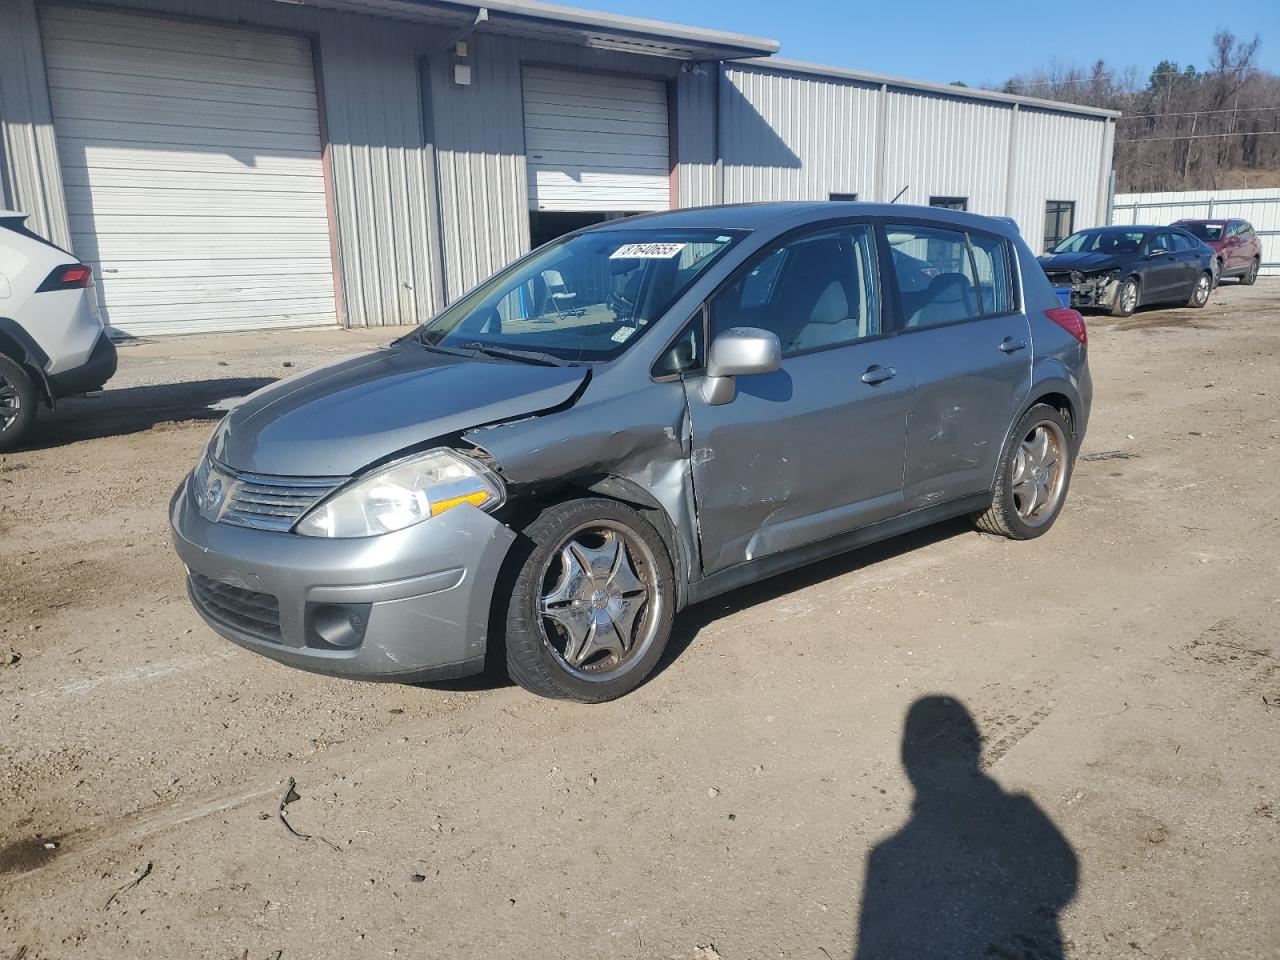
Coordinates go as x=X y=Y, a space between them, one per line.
x=735 y=353
x=1156 y=252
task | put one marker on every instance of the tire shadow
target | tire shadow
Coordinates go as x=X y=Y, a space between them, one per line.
x=691 y=621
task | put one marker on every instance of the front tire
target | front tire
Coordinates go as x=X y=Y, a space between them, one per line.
x=1251 y=275
x=18 y=398
x=1200 y=292
x=1126 y=299
x=1032 y=480
x=592 y=603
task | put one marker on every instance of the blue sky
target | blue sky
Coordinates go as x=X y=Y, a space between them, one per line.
x=977 y=41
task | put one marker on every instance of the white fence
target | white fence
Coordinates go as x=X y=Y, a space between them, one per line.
x=1260 y=207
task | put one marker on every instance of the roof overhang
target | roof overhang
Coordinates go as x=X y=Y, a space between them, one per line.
x=547 y=21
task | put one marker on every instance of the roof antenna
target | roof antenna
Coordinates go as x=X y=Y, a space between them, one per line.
x=900 y=193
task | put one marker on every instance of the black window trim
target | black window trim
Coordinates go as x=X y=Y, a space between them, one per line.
x=1070 y=209
x=1015 y=306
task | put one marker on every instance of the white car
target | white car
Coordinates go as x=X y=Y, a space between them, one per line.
x=52 y=340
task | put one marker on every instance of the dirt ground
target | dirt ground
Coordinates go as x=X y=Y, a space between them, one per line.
x=1122 y=672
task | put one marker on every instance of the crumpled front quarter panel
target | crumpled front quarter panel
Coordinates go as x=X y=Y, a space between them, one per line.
x=638 y=436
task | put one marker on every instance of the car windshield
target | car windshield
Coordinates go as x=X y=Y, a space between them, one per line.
x=1205 y=231
x=585 y=297
x=1101 y=241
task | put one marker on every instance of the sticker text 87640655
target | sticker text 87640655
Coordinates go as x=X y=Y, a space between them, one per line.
x=646 y=251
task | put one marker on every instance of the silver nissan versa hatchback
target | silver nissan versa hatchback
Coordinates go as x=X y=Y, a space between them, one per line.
x=631 y=419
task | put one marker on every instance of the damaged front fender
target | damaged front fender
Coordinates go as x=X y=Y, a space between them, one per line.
x=631 y=446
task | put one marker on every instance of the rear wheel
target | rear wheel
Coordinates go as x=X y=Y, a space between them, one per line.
x=17 y=403
x=1200 y=292
x=1126 y=299
x=1251 y=275
x=1035 y=470
x=592 y=603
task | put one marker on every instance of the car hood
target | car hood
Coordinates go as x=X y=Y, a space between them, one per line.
x=339 y=418
x=1084 y=262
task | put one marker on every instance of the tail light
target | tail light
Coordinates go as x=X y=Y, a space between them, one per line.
x=1071 y=321
x=71 y=276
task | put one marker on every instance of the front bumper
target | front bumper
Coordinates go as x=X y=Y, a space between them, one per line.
x=417 y=602
x=1098 y=290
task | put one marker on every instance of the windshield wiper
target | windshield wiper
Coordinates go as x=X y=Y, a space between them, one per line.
x=520 y=356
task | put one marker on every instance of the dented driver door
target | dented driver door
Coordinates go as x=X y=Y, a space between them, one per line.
x=801 y=454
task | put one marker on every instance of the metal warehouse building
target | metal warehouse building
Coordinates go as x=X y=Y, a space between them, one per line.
x=232 y=164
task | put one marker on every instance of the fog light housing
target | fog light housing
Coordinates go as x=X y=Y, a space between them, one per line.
x=337 y=626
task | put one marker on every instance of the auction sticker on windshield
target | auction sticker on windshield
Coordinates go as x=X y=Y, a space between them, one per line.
x=646 y=251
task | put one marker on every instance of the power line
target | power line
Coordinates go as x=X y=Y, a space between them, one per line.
x=1105 y=77
x=1191 y=113
x=1208 y=136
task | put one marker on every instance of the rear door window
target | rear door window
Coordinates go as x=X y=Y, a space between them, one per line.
x=934 y=275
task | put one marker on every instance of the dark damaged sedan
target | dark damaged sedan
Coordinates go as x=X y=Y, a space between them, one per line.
x=631 y=419
x=1120 y=268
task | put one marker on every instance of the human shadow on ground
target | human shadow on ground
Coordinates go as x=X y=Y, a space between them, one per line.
x=976 y=872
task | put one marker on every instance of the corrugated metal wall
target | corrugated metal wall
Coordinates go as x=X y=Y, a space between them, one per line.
x=939 y=146
x=790 y=135
x=695 y=136
x=1060 y=157
x=31 y=177
x=793 y=137
x=1260 y=207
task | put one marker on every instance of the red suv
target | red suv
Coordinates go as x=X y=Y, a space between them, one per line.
x=1236 y=246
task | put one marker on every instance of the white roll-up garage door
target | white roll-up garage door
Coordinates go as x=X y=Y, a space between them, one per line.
x=191 y=159
x=596 y=141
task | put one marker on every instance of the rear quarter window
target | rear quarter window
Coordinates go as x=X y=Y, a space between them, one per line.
x=992 y=259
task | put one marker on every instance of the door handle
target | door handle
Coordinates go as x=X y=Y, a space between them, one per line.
x=1012 y=345
x=878 y=374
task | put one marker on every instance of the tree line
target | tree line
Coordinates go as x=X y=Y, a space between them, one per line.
x=1183 y=128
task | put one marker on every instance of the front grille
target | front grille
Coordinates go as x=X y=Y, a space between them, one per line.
x=257 y=614
x=273 y=503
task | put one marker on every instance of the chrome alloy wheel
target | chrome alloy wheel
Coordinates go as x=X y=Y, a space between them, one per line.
x=10 y=403
x=599 y=608
x=1203 y=286
x=1129 y=297
x=1039 y=473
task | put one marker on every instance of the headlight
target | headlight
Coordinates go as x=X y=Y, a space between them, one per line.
x=402 y=494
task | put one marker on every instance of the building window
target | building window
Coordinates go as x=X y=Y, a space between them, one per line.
x=950 y=203
x=843 y=196
x=1059 y=221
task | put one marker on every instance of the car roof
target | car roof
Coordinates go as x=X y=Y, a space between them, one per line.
x=1209 y=220
x=781 y=216
x=1121 y=228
